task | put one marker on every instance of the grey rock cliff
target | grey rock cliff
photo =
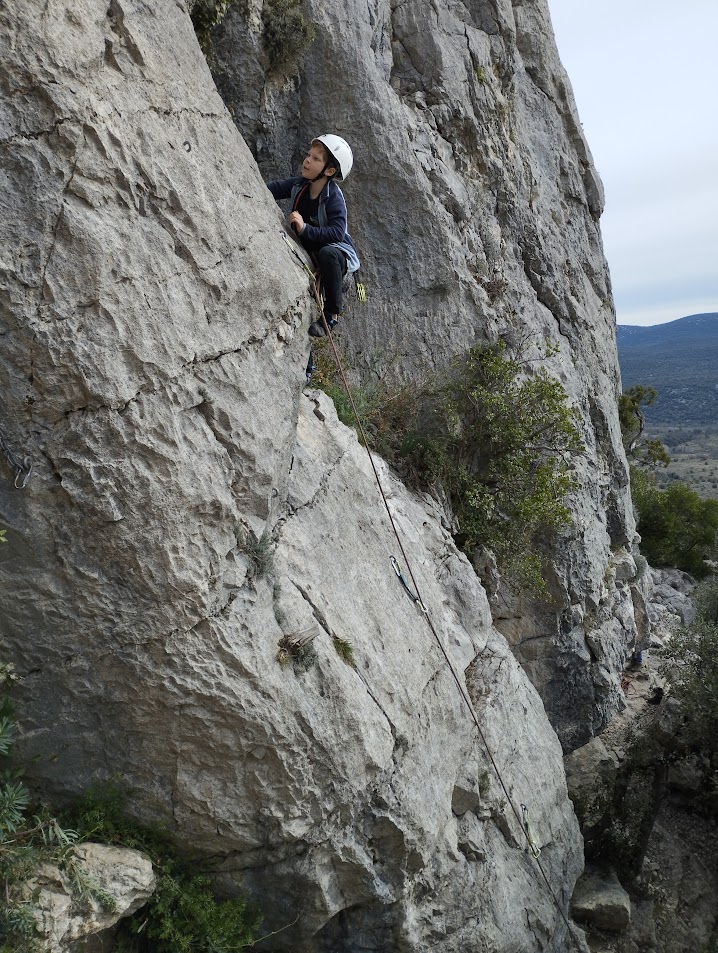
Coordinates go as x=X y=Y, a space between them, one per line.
x=154 y=342
x=125 y=878
x=475 y=206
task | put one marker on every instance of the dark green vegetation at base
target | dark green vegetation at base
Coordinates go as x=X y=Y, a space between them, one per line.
x=692 y=671
x=680 y=361
x=184 y=914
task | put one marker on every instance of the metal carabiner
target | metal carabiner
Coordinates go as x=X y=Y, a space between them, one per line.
x=400 y=576
x=27 y=465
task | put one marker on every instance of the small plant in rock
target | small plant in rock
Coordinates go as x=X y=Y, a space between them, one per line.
x=302 y=656
x=344 y=650
x=259 y=552
x=287 y=32
x=386 y=412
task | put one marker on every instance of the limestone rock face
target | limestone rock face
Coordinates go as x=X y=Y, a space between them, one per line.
x=601 y=900
x=475 y=206
x=124 y=877
x=189 y=513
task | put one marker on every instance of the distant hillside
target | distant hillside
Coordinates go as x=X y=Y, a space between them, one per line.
x=678 y=359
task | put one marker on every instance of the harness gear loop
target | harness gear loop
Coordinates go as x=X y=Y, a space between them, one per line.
x=533 y=846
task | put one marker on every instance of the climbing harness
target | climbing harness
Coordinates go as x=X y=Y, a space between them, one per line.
x=23 y=468
x=412 y=595
x=533 y=846
x=417 y=599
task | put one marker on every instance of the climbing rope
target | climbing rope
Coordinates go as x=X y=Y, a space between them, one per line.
x=22 y=468
x=416 y=597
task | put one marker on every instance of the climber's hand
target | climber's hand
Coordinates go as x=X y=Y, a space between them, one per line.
x=296 y=222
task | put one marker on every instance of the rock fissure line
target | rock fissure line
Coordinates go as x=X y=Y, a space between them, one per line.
x=56 y=227
x=34 y=136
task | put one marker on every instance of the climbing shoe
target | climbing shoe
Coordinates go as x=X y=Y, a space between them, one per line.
x=316 y=328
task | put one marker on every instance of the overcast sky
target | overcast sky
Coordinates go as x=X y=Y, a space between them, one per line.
x=646 y=84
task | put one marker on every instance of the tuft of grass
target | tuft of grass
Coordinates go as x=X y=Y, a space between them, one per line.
x=344 y=650
x=259 y=552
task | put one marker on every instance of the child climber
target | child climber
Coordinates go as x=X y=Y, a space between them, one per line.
x=319 y=218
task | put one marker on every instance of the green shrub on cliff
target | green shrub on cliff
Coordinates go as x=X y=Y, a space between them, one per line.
x=207 y=14
x=495 y=432
x=499 y=437
x=286 y=31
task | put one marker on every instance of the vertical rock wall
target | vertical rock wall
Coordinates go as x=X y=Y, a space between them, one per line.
x=189 y=507
x=475 y=206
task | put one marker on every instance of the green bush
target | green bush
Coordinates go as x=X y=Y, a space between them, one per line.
x=287 y=32
x=496 y=433
x=691 y=668
x=183 y=915
x=499 y=438
x=677 y=527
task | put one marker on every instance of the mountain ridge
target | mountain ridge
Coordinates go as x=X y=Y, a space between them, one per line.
x=678 y=359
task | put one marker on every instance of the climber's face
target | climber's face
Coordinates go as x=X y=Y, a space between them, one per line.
x=314 y=162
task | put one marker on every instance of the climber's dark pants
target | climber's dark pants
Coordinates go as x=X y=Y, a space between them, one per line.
x=332 y=264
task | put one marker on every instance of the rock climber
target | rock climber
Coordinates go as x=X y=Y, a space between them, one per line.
x=319 y=218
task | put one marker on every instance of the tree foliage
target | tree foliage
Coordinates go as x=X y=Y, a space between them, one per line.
x=500 y=439
x=639 y=449
x=691 y=668
x=677 y=527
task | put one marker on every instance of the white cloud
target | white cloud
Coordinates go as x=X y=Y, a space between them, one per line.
x=644 y=79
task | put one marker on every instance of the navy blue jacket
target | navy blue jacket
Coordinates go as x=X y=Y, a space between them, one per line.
x=332 y=215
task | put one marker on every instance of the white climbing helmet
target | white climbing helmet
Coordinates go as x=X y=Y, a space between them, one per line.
x=340 y=150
